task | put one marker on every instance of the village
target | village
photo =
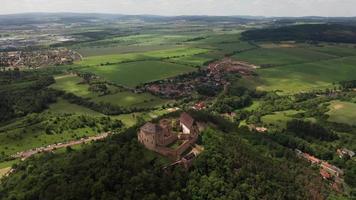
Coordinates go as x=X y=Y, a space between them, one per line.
x=328 y=171
x=173 y=138
x=36 y=59
x=212 y=77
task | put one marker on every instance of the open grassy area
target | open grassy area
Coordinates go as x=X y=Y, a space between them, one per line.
x=306 y=77
x=72 y=84
x=281 y=56
x=129 y=99
x=195 y=60
x=122 y=49
x=342 y=112
x=279 y=119
x=135 y=73
x=64 y=107
x=148 y=55
x=32 y=136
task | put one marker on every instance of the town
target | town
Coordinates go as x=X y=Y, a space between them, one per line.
x=213 y=77
x=39 y=58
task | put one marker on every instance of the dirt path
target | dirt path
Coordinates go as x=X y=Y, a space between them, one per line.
x=26 y=154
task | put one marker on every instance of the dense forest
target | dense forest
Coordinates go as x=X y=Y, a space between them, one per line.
x=120 y=168
x=305 y=32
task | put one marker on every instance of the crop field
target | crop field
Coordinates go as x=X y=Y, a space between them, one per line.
x=72 y=84
x=64 y=107
x=129 y=99
x=281 y=56
x=149 y=55
x=337 y=50
x=111 y=50
x=233 y=47
x=342 y=112
x=309 y=76
x=135 y=73
x=195 y=61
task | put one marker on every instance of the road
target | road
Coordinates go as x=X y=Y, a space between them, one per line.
x=26 y=154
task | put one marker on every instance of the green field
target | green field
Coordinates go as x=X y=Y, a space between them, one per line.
x=281 y=56
x=111 y=50
x=129 y=99
x=148 y=55
x=279 y=119
x=63 y=106
x=72 y=84
x=306 y=77
x=15 y=137
x=195 y=60
x=342 y=112
x=135 y=73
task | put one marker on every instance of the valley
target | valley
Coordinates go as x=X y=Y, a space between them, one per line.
x=271 y=100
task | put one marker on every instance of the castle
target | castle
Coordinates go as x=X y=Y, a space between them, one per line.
x=162 y=139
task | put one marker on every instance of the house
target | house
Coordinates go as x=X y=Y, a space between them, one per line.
x=186 y=122
x=199 y=106
x=331 y=169
x=345 y=152
x=311 y=158
x=325 y=174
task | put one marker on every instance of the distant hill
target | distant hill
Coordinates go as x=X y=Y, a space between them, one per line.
x=306 y=32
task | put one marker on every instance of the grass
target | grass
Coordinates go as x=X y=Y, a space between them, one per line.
x=279 y=119
x=342 y=112
x=281 y=56
x=195 y=60
x=129 y=99
x=111 y=50
x=306 y=77
x=33 y=136
x=72 y=84
x=255 y=106
x=135 y=73
x=149 y=55
x=63 y=106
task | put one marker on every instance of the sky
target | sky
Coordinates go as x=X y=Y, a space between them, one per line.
x=187 y=7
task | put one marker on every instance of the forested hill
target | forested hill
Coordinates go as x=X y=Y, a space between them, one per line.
x=120 y=168
x=305 y=32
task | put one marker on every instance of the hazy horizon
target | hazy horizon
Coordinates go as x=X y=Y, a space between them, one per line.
x=266 y=8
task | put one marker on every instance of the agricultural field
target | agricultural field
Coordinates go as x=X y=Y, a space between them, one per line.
x=309 y=76
x=72 y=84
x=129 y=99
x=342 y=112
x=281 y=56
x=111 y=50
x=64 y=107
x=135 y=73
x=148 y=55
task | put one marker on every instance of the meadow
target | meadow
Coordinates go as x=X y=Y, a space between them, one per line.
x=342 y=112
x=281 y=56
x=308 y=76
x=148 y=55
x=64 y=107
x=72 y=84
x=279 y=119
x=135 y=73
x=129 y=99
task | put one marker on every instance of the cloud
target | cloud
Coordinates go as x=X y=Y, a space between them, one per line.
x=187 y=7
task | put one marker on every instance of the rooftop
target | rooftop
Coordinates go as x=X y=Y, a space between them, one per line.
x=186 y=119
